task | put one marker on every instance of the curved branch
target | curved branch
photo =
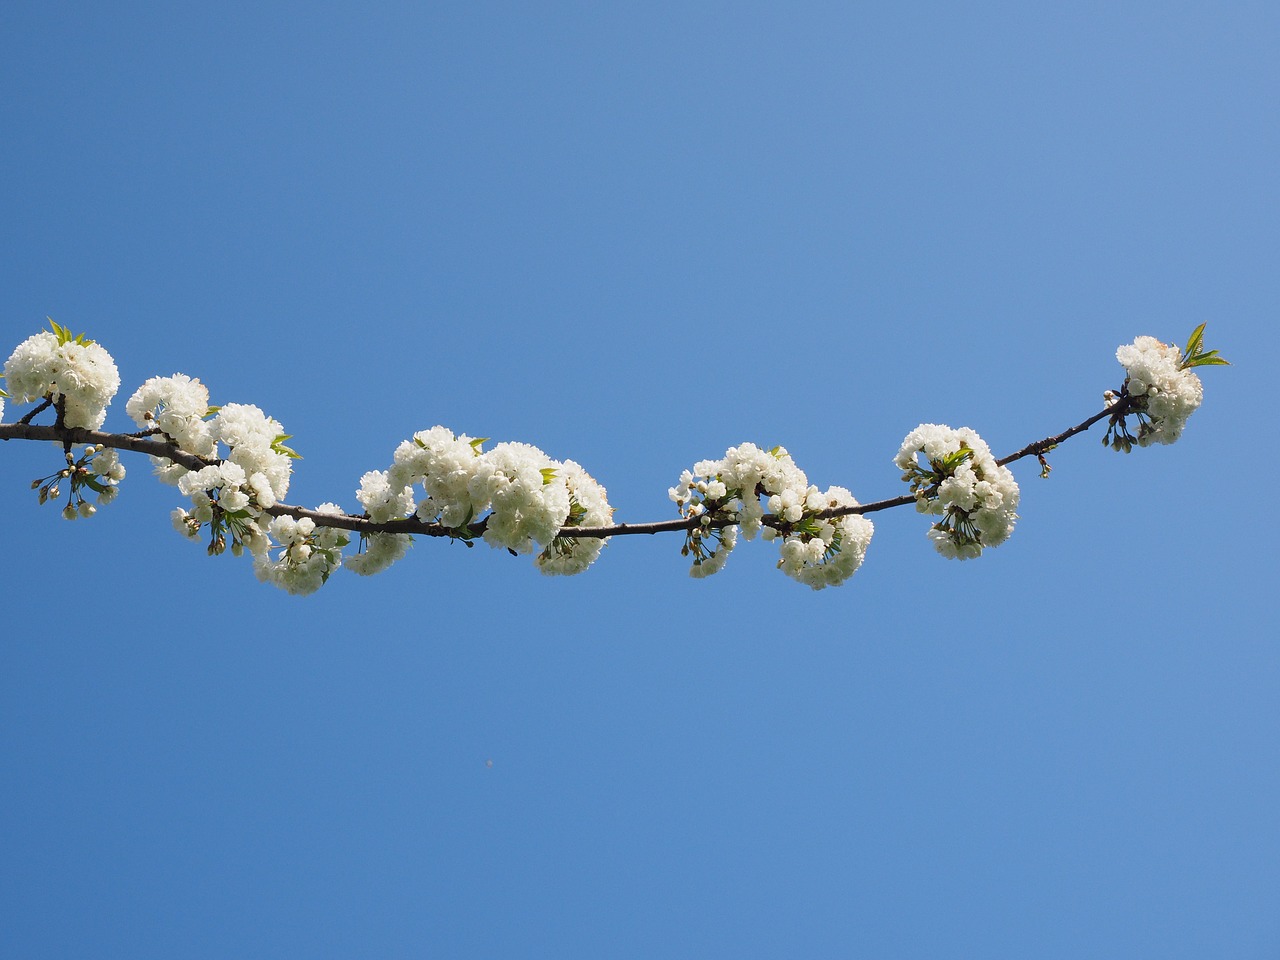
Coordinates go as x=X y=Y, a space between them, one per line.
x=24 y=430
x=1116 y=411
x=120 y=441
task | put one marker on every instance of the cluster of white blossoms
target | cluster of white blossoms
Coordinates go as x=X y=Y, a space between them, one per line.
x=381 y=503
x=73 y=372
x=178 y=407
x=232 y=493
x=734 y=492
x=98 y=469
x=108 y=471
x=1165 y=391
x=824 y=552
x=588 y=507
x=304 y=554
x=236 y=471
x=529 y=497
x=961 y=482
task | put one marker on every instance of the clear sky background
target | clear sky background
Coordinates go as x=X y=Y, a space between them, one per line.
x=633 y=235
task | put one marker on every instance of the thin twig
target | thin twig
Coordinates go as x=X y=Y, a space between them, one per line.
x=42 y=406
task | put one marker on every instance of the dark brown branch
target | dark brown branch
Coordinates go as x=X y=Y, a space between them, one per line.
x=23 y=430
x=120 y=441
x=42 y=406
x=1116 y=411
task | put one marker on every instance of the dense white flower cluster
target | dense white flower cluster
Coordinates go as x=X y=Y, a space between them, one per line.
x=77 y=372
x=1165 y=392
x=962 y=483
x=444 y=465
x=307 y=554
x=253 y=440
x=823 y=552
x=253 y=477
x=588 y=507
x=225 y=497
x=177 y=406
x=381 y=502
x=529 y=496
x=725 y=495
x=380 y=550
x=230 y=494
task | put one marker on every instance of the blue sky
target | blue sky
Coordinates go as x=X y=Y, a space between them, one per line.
x=634 y=235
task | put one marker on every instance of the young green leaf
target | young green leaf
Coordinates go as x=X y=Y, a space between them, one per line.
x=1195 y=356
x=1195 y=341
x=65 y=335
x=278 y=446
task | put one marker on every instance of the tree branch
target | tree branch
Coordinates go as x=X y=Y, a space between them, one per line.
x=24 y=430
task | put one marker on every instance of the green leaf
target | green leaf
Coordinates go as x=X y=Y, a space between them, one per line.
x=548 y=475
x=210 y=412
x=1196 y=356
x=65 y=336
x=477 y=443
x=1195 y=341
x=278 y=446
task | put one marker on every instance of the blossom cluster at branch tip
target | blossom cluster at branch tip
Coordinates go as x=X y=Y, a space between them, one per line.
x=73 y=372
x=1163 y=393
x=723 y=496
x=961 y=482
